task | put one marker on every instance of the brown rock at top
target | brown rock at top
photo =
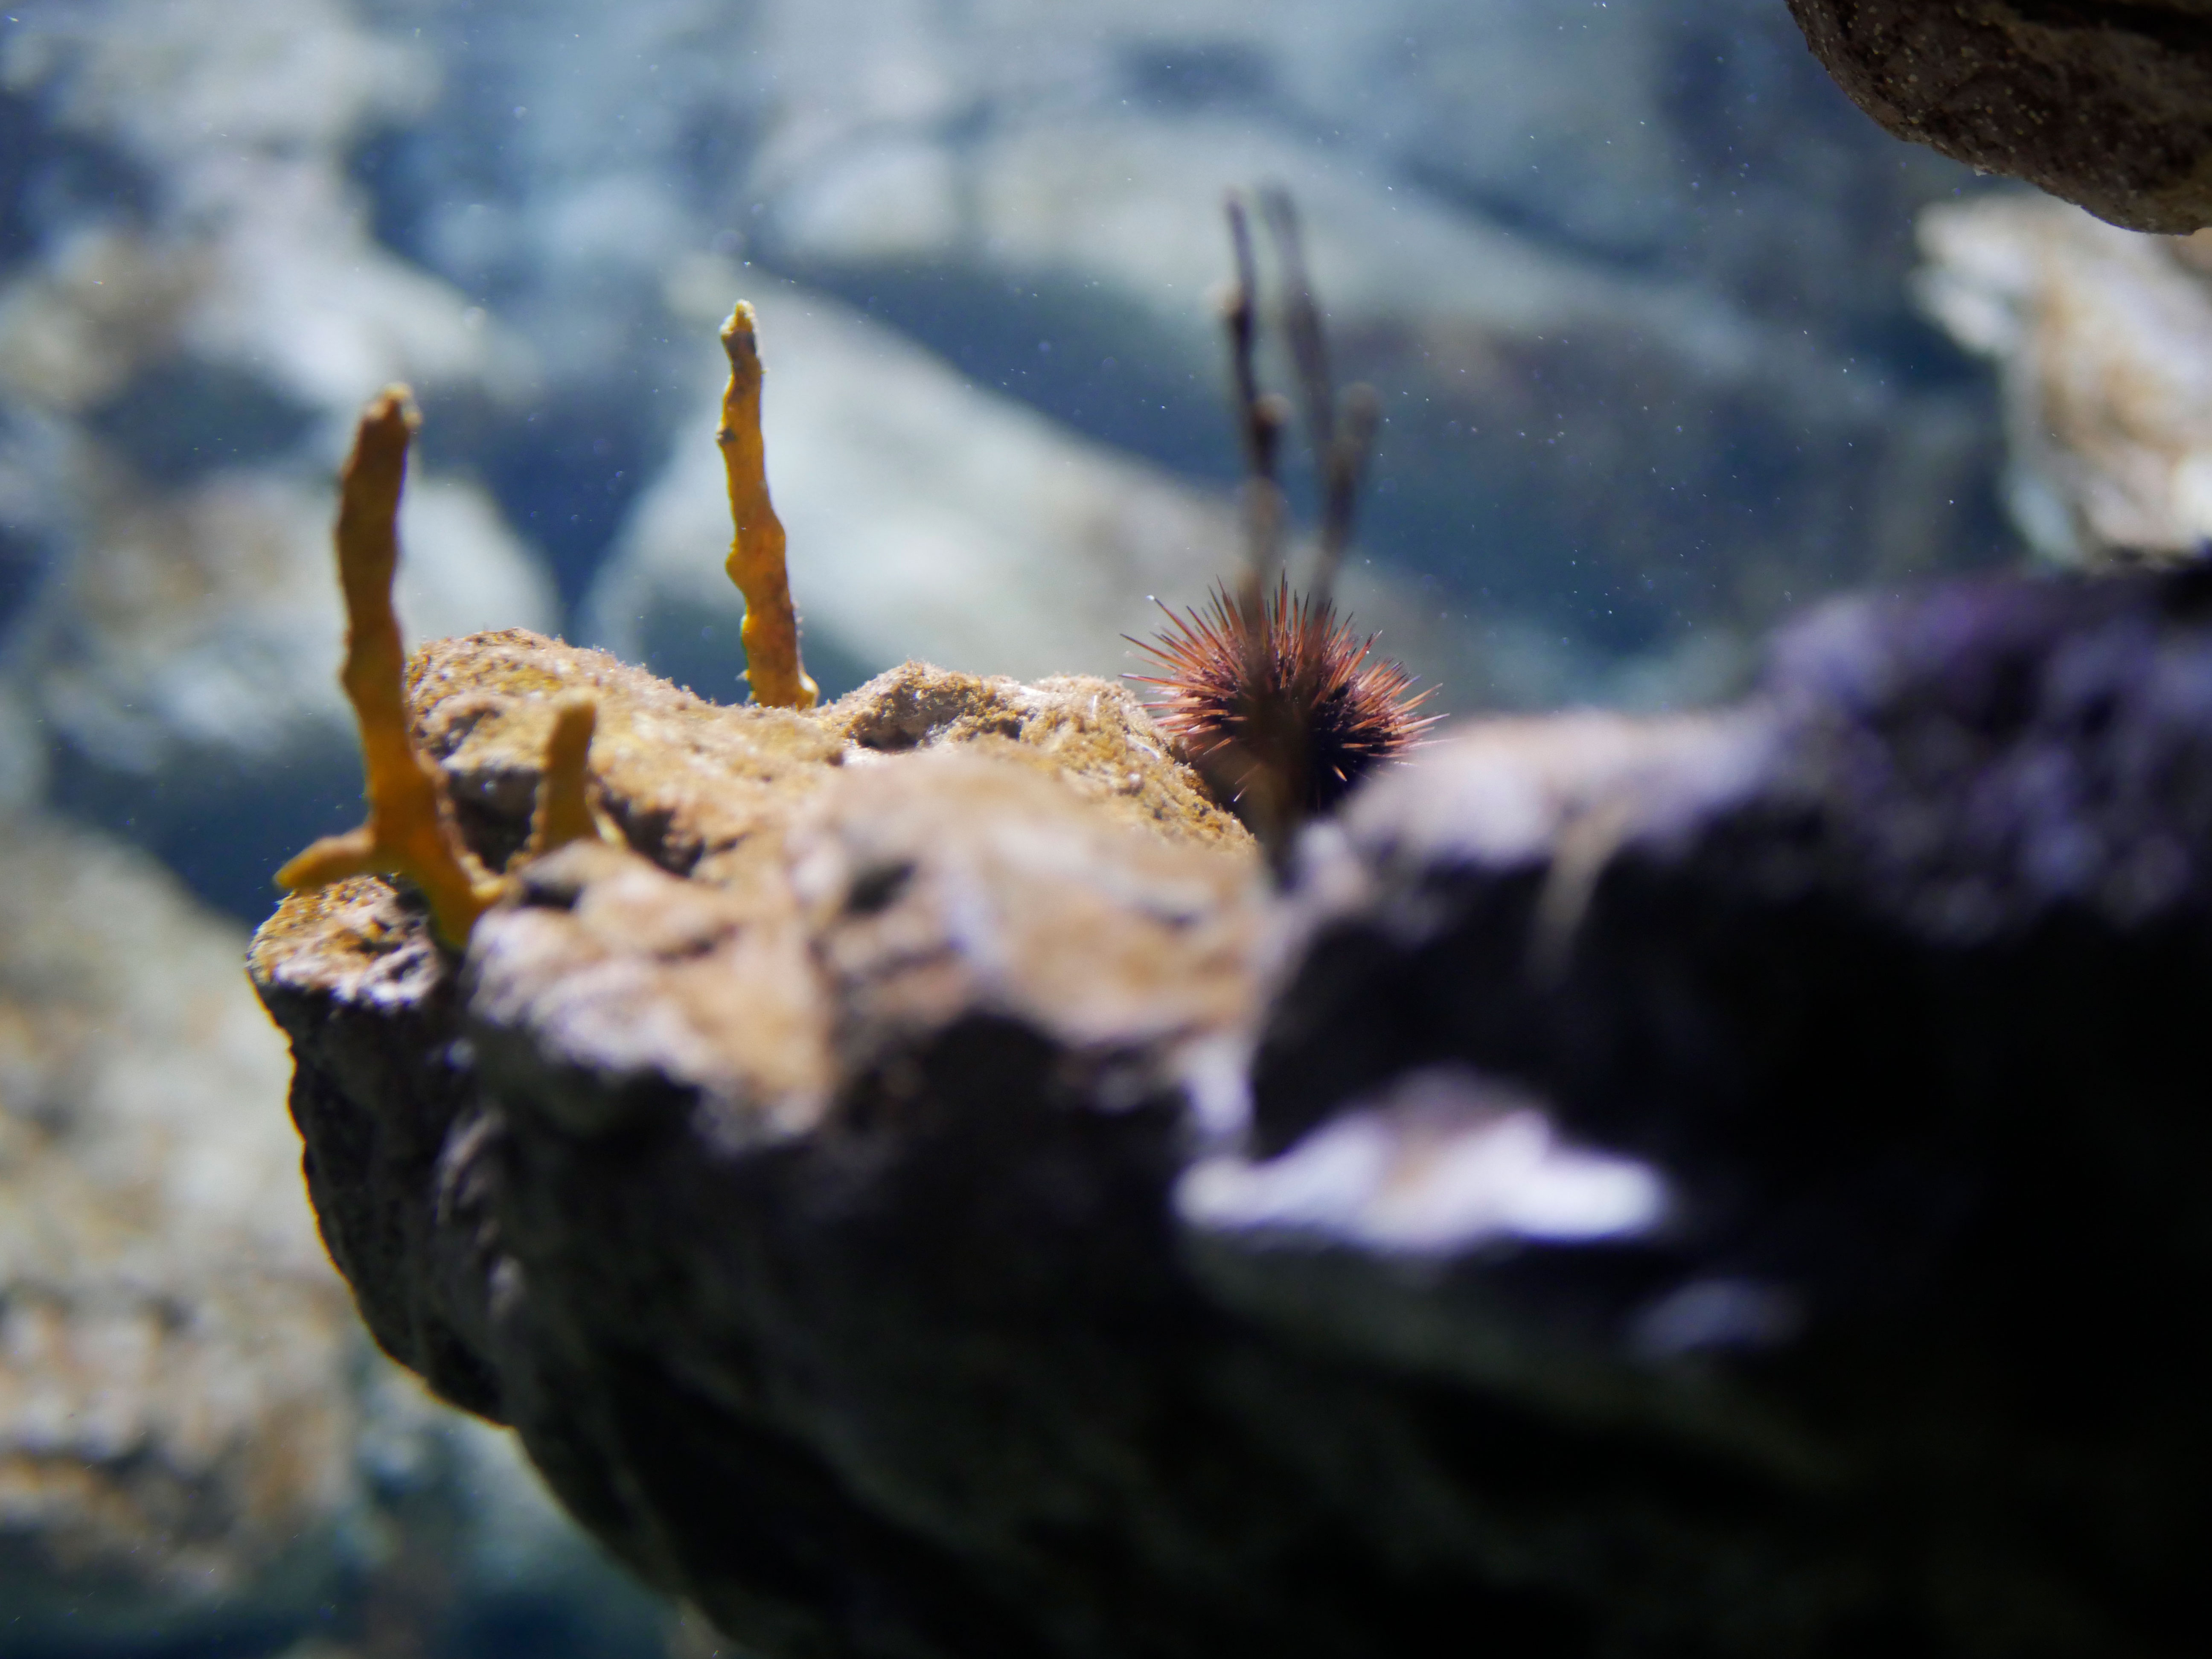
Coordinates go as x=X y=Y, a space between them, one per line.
x=2109 y=106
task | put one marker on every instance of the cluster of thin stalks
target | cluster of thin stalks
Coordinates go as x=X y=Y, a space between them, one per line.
x=1276 y=699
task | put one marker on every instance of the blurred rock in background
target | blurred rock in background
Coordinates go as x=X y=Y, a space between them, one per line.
x=191 y=309
x=927 y=509
x=1632 y=279
x=1629 y=277
x=176 y=1404
x=2103 y=338
x=199 y=1450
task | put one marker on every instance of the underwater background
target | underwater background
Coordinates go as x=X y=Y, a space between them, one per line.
x=1633 y=281
x=1645 y=300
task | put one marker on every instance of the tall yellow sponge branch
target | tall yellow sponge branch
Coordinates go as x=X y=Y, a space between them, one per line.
x=408 y=832
x=756 y=563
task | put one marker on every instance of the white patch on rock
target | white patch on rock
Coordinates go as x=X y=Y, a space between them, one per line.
x=1446 y=1162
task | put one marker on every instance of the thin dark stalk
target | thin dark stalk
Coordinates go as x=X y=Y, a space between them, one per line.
x=1258 y=419
x=1240 y=311
x=1301 y=324
x=1268 y=800
x=1344 y=469
x=1340 y=437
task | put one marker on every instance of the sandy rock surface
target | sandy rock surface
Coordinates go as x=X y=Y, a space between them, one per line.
x=748 y=830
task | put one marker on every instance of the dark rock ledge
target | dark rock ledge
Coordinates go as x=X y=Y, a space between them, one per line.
x=1726 y=1185
x=2107 y=103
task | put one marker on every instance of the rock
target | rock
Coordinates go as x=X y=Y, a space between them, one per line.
x=928 y=820
x=2103 y=104
x=196 y=1445
x=1722 y=1183
x=2103 y=338
x=1637 y=306
x=1878 y=978
x=177 y=1411
x=706 y=793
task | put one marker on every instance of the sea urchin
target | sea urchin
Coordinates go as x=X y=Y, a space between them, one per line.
x=1291 y=695
x=1269 y=693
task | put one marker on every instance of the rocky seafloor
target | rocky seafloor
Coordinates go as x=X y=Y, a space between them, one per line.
x=200 y=1451
x=1726 y=1183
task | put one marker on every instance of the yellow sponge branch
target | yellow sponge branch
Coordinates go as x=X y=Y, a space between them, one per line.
x=408 y=832
x=757 y=549
x=411 y=831
x=564 y=811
